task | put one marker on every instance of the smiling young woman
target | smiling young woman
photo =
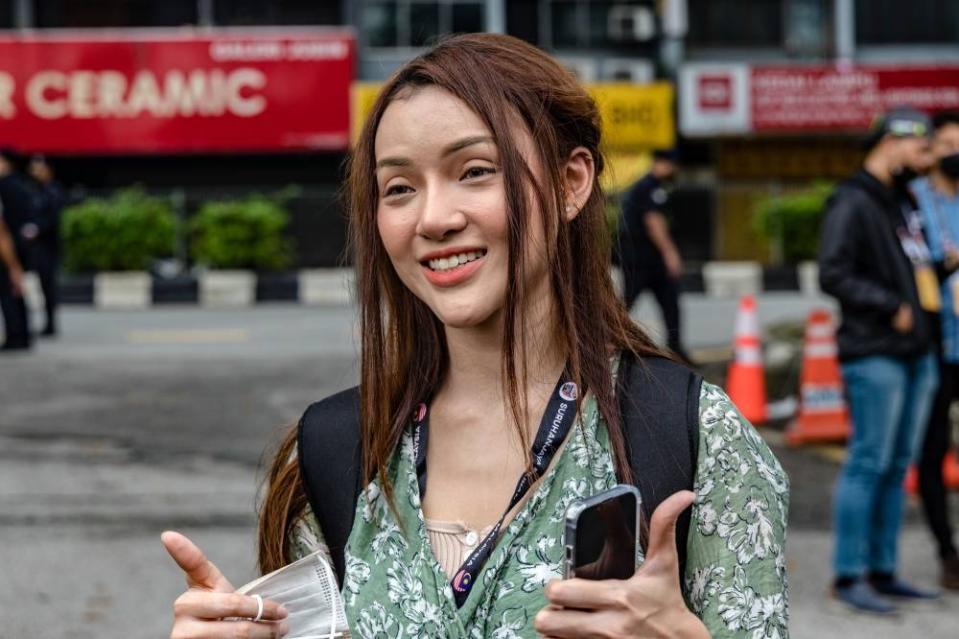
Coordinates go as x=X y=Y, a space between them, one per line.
x=481 y=249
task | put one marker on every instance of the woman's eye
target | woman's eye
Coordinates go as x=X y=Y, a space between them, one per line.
x=477 y=171
x=398 y=189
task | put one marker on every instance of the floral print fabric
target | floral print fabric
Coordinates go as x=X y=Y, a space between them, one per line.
x=735 y=577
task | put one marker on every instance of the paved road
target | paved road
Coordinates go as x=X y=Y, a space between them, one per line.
x=132 y=423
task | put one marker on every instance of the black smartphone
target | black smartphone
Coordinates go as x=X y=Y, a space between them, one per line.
x=602 y=534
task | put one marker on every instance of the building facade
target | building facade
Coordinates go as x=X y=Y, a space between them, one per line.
x=729 y=61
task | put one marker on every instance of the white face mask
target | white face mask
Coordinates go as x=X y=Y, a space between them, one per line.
x=307 y=589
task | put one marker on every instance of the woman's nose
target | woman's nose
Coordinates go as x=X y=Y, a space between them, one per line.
x=439 y=216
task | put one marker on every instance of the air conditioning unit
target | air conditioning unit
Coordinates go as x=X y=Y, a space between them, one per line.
x=630 y=23
x=585 y=69
x=637 y=71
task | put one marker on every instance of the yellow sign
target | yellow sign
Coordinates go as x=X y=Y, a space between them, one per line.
x=362 y=97
x=635 y=116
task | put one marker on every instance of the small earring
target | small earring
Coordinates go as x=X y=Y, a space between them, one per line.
x=569 y=207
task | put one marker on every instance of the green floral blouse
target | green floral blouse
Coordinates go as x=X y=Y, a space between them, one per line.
x=735 y=578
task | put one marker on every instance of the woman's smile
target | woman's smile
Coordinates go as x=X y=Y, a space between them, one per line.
x=452 y=266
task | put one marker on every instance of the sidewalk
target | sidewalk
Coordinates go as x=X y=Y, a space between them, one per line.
x=81 y=523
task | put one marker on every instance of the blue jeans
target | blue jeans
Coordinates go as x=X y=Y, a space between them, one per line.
x=890 y=400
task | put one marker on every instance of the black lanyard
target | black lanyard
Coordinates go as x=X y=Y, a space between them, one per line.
x=555 y=425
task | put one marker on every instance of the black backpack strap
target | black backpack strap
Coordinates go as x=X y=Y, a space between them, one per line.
x=330 y=458
x=659 y=400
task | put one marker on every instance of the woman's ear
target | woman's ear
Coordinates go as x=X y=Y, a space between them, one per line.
x=578 y=176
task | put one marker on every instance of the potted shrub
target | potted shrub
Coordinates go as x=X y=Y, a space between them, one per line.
x=230 y=240
x=117 y=238
x=791 y=222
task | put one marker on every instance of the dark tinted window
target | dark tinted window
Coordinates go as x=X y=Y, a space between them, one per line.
x=276 y=12
x=735 y=23
x=416 y=23
x=467 y=18
x=907 y=21
x=6 y=14
x=424 y=23
x=379 y=24
x=113 y=13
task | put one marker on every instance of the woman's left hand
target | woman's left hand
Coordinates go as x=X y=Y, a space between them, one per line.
x=649 y=604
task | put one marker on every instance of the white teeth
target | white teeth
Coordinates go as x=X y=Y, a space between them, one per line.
x=452 y=261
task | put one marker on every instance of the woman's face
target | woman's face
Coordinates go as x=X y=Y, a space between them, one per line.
x=441 y=209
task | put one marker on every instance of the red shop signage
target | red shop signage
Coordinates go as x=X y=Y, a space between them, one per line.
x=827 y=98
x=176 y=91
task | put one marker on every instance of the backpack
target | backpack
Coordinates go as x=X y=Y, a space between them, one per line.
x=659 y=400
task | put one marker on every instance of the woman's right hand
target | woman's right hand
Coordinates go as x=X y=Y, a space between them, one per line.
x=200 y=611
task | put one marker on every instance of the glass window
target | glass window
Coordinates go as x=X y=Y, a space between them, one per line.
x=379 y=24
x=424 y=23
x=114 y=13
x=6 y=14
x=467 y=17
x=809 y=27
x=735 y=23
x=565 y=22
x=275 y=12
x=416 y=23
x=912 y=22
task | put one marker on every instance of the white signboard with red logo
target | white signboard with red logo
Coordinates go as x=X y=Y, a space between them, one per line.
x=714 y=98
x=738 y=98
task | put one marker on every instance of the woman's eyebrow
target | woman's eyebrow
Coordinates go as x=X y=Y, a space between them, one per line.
x=459 y=145
x=465 y=142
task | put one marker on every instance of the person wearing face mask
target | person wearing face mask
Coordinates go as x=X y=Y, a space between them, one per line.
x=938 y=197
x=873 y=259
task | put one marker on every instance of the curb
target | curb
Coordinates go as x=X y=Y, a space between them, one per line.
x=334 y=286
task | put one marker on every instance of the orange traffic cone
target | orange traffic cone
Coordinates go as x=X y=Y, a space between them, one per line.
x=950 y=474
x=823 y=413
x=950 y=470
x=745 y=382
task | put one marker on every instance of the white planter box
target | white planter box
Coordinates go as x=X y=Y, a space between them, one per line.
x=120 y=290
x=227 y=289
x=809 y=278
x=732 y=279
x=327 y=286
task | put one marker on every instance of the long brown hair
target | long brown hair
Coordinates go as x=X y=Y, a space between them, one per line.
x=403 y=355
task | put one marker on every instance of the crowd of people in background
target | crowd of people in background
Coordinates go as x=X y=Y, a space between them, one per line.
x=31 y=202
x=889 y=254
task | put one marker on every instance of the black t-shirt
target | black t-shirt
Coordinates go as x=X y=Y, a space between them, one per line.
x=644 y=197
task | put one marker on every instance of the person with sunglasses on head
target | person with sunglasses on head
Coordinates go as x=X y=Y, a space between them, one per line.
x=874 y=260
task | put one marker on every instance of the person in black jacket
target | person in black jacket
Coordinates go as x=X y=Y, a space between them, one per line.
x=17 y=206
x=873 y=259
x=44 y=236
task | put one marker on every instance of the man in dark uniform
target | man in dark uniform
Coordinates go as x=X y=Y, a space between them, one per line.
x=648 y=255
x=44 y=237
x=17 y=205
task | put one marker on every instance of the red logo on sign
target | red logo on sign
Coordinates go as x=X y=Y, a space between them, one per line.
x=715 y=92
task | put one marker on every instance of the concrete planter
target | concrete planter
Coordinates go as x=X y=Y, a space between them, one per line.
x=227 y=289
x=328 y=287
x=732 y=279
x=122 y=290
x=809 y=278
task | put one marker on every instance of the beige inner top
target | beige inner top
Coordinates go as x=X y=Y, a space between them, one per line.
x=453 y=542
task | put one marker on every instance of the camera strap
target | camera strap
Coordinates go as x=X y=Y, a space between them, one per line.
x=553 y=429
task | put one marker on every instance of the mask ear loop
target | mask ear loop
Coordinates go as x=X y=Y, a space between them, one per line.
x=334 y=599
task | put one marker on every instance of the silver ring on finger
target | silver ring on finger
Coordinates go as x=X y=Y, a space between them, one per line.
x=259 y=608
